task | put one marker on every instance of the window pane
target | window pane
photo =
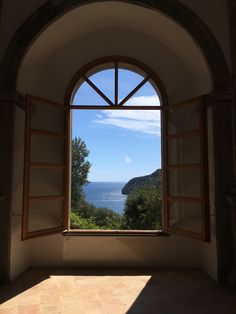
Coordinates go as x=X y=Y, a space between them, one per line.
x=48 y=118
x=145 y=96
x=184 y=182
x=105 y=81
x=46 y=182
x=183 y=119
x=87 y=96
x=45 y=215
x=47 y=149
x=185 y=215
x=185 y=150
x=128 y=80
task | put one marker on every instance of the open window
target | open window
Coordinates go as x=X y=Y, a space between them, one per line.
x=47 y=183
x=116 y=116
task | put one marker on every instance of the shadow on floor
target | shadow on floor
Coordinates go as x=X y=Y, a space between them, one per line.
x=183 y=292
x=168 y=291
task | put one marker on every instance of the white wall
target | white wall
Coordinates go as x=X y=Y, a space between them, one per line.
x=213 y=12
x=53 y=77
x=46 y=73
x=19 y=250
x=209 y=250
x=112 y=251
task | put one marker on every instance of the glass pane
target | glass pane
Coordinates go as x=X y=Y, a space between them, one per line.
x=145 y=96
x=105 y=81
x=47 y=149
x=185 y=216
x=47 y=117
x=87 y=96
x=183 y=118
x=185 y=150
x=184 y=182
x=45 y=215
x=46 y=182
x=128 y=80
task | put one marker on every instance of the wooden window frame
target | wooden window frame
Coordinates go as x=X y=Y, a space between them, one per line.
x=94 y=67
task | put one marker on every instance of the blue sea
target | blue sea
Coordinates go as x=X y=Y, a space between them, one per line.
x=106 y=194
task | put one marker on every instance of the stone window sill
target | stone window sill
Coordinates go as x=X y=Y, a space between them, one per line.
x=116 y=233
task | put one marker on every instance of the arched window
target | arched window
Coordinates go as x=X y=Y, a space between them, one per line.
x=116 y=88
x=118 y=105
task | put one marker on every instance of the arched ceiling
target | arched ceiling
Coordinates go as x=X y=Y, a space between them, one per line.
x=70 y=31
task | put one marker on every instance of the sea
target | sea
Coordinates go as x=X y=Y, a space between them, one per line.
x=106 y=194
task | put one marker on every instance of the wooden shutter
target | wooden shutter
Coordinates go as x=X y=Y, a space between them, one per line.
x=45 y=190
x=186 y=170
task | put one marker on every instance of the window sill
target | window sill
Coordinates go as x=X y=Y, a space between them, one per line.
x=116 y=233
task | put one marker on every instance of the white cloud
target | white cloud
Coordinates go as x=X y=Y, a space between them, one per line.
x=147 y=122
x=143 y=101
x=127 y=159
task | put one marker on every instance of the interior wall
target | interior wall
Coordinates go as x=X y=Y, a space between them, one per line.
x=52 y=76
x=215 y=14
x=112 y=251
x=14 y=13
x=50 y=80
x=209 y=250
x=19 y=249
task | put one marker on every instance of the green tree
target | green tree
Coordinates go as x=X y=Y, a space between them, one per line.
x=80 y=170
x=143 y=209
x=78 y=222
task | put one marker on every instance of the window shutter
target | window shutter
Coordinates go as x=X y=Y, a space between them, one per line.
x=186 y=170
x=45 y=191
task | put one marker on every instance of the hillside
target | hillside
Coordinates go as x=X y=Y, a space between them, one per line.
x=153 y=179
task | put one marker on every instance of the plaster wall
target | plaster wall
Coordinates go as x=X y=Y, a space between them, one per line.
x=49 y=79
x=51 y=74
x=209 y=250
x=213 y=12
x=111 y=251
x=19 y=250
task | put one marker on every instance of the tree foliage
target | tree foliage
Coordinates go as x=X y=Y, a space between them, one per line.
x=101 y=216
x=143 y=209
x=80 y=170
x=91 y=217
x=85 y=215
x=78 y=222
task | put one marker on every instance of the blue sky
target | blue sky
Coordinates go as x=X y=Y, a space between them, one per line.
x=122 y=144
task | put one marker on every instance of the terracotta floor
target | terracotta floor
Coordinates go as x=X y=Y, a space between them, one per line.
x=115 y=292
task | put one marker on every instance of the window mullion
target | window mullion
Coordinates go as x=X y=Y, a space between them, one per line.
x=134 y=91
x=116 y=83
x=100 y=93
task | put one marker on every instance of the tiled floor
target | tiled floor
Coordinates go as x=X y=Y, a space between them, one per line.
x=115 y=292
